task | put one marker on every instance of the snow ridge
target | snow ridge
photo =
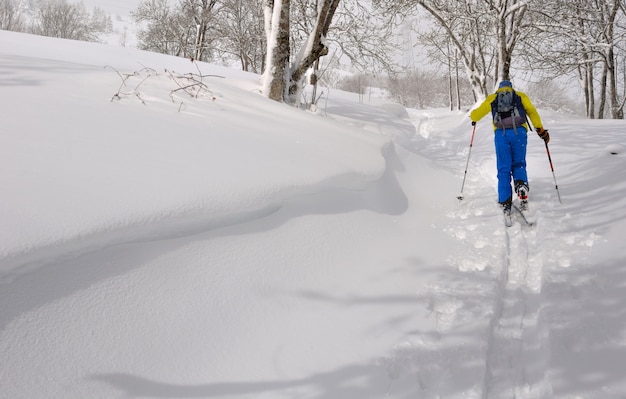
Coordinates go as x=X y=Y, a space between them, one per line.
x=149 y=229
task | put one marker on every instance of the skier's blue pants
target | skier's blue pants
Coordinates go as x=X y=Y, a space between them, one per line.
x=511 y=159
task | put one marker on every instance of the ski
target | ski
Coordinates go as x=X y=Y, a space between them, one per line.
x=523 y=216
x=508 y=218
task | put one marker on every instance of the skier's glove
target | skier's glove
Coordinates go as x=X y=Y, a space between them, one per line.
x=543 y=134
x=473 y=123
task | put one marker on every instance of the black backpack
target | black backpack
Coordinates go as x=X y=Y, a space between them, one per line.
x=507 y=110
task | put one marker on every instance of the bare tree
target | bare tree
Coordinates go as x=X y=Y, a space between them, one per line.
x=552 y=95
x=162 y=33
x=206 y=30
x=417 y=89
x=282 y=81
x=441 y=52
x=315 y=26
x=484 y=33
x=10 y=16
x=466 y=27
x=182 y=31
x=365 y=35
x=242 y=34
x=581 y=37
x=197 y=18
x=314 y=48
x=510 y=29
x=283 y=38
x=58 y=18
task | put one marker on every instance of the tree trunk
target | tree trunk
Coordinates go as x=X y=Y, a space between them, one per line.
x=456 y=80
x=313 y=49
x=450 y=88
x=616 y=109
x=591 y=112
x=282 y=82
x=603 y=82
x=278 y=50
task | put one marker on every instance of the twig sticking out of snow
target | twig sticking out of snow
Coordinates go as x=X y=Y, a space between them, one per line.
x=124 y=77
x=190 y=83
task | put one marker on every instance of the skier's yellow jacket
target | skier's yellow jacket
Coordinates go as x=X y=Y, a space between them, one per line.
x=485 y=107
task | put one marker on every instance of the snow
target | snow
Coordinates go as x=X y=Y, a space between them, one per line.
x=228 y=246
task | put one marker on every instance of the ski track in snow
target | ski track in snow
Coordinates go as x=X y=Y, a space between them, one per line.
x=517 y=352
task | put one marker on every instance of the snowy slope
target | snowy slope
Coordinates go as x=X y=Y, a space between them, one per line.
x=229 y=246
x=124 y=29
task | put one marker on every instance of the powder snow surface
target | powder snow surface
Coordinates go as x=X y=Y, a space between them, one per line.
x=157 y=244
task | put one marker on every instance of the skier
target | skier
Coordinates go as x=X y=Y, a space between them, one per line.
x=509 y=109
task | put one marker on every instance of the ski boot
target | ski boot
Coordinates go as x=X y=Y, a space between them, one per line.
x=521 y=188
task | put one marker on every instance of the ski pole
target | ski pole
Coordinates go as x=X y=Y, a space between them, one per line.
x=460 y=197
x=556 y=185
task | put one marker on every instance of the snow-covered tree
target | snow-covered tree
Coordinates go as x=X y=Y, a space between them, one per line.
x=160 y=33
x=484 y=33
x=275 y=78
x=353 y=28
x=206 y=30
x=11 y=18
x=440 y=52
x=584 y=38
x=283 y=79
x=241 y=29
x=182 y=30
x=199 y=18
x=58 y=18
x=551 y=38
